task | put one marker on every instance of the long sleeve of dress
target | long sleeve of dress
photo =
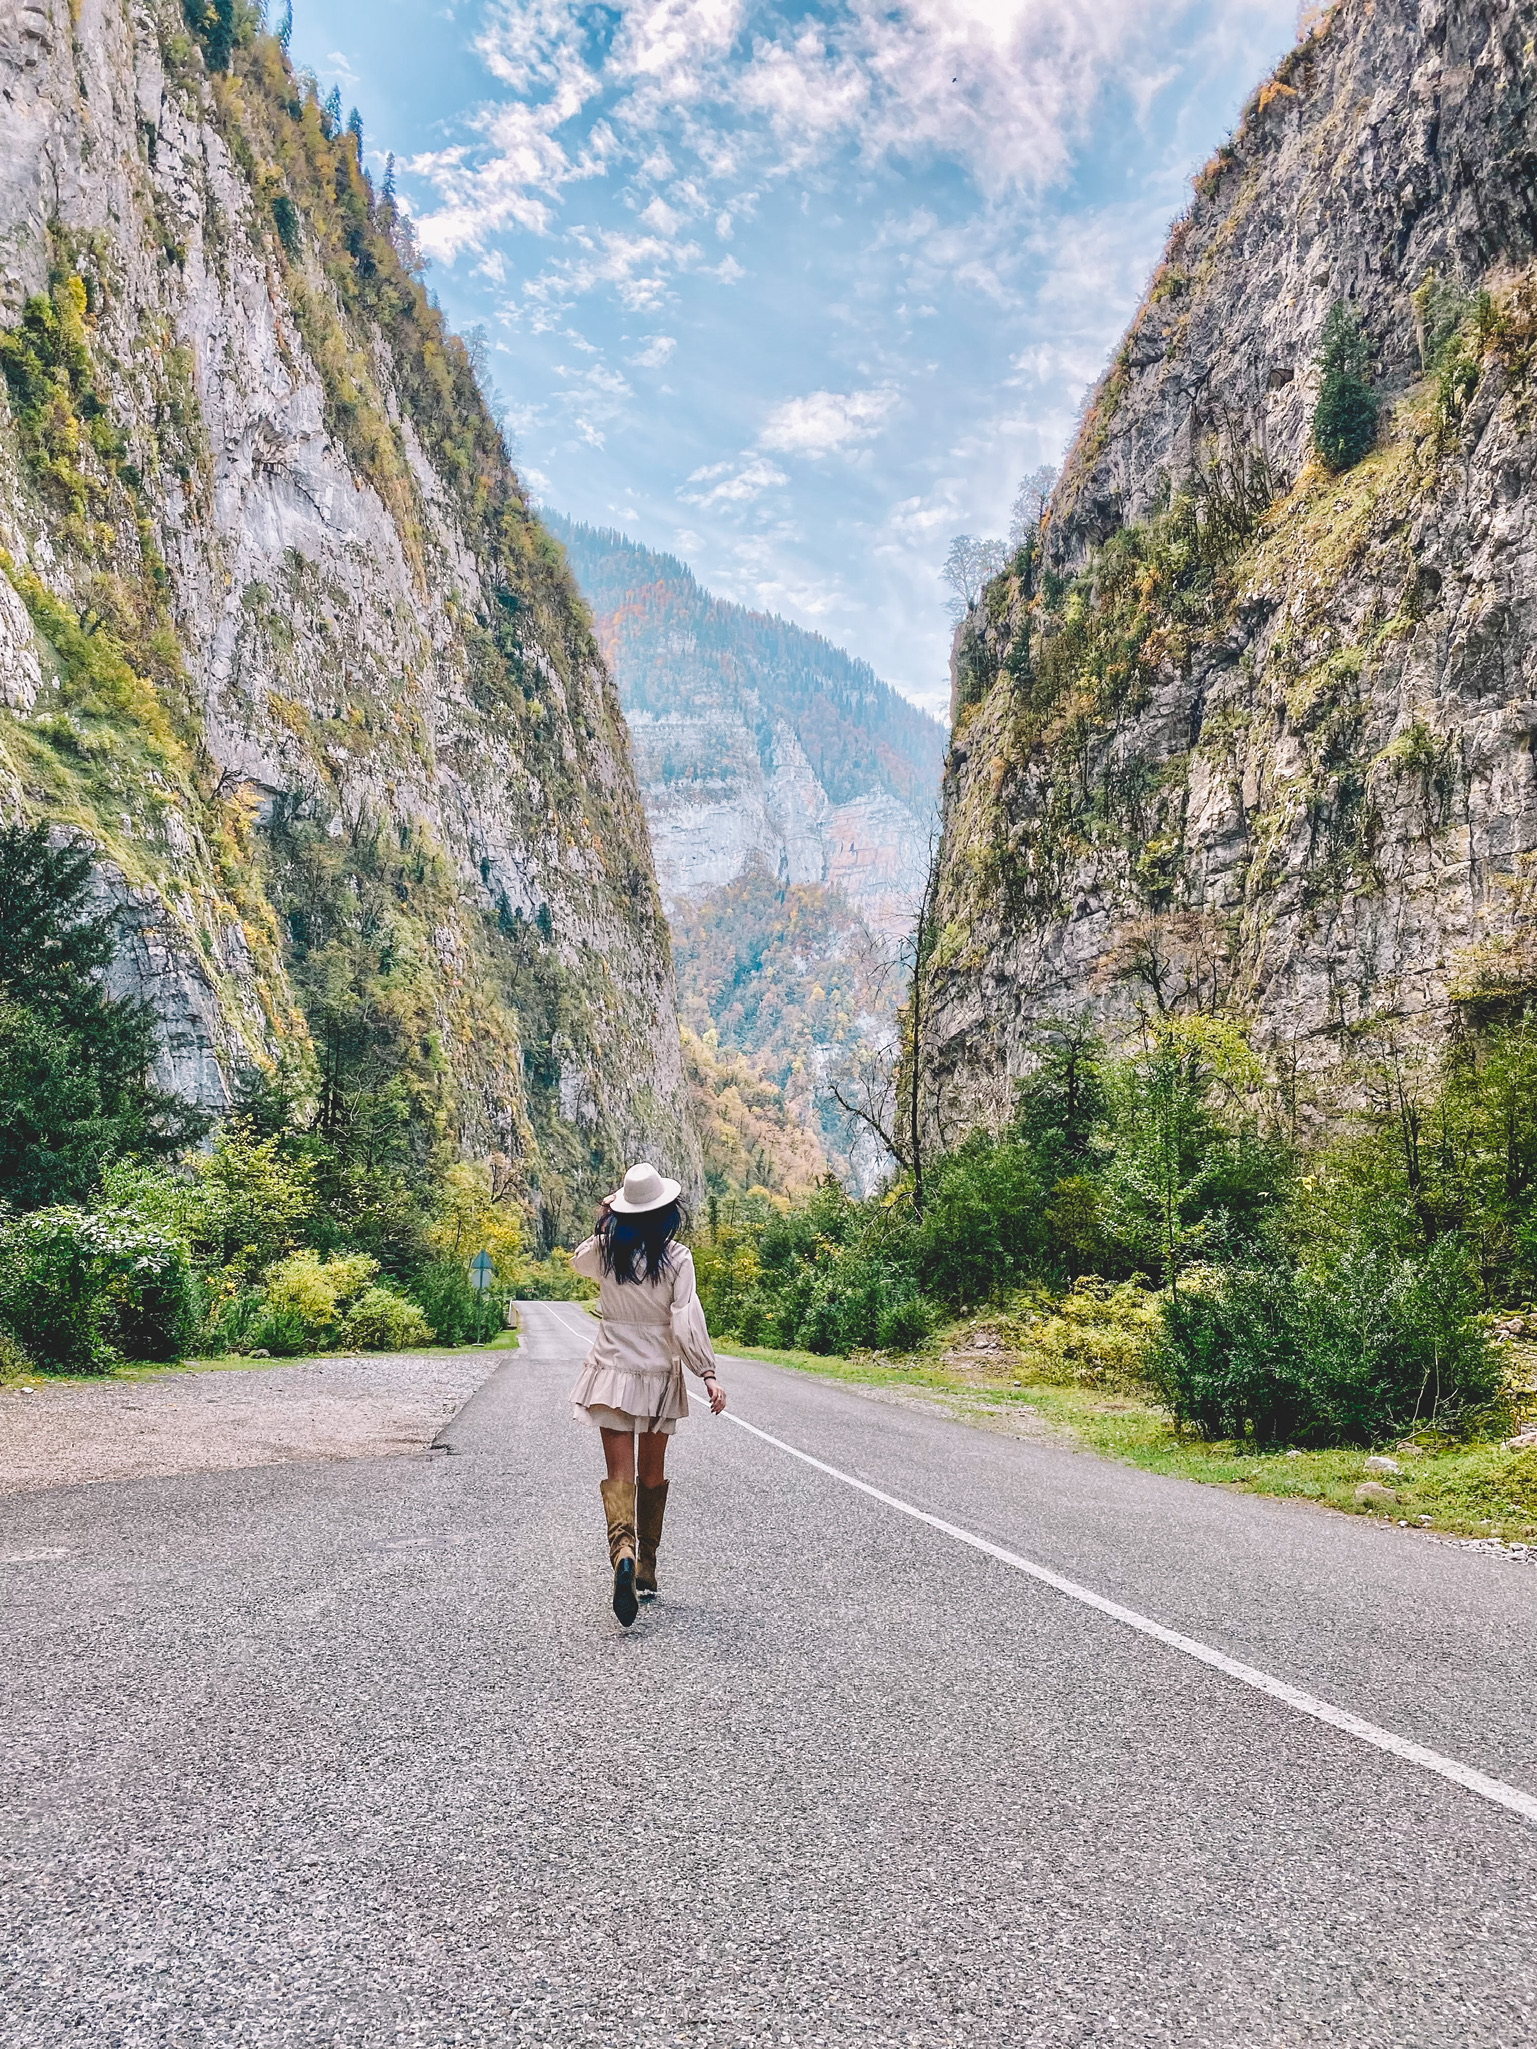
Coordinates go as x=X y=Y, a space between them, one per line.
x=690 y=1332
x=587 y=1260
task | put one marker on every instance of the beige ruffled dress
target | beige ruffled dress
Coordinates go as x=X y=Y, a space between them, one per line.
x=632 y=1379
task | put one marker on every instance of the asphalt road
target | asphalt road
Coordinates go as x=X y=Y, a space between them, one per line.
x=356 y=1755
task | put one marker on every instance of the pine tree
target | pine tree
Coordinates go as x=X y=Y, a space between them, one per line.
x=213 y=23
x=75 y=1092
x=332 y=111
x=1345 y=418
x=285 y=27
x=355 y=130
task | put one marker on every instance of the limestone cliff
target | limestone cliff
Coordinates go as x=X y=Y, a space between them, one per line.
x=1234 y=728
x=279 y=631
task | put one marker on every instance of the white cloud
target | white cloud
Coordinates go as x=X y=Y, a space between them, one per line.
x=1004 y=89
x=825 y=420
x=927 y=288
x=661 y=217
x=656 y=352
x=734 y=483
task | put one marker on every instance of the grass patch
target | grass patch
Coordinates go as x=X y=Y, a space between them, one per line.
x=1473 y=1489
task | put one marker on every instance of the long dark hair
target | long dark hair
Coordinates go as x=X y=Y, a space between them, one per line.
x=640 y=1239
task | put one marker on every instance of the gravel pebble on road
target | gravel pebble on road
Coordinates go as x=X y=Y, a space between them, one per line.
x=384 y=1404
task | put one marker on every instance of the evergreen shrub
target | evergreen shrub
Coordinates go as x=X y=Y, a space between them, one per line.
x=75 y=1087
x=907 y=1325
x=1362 y=1348
x=458 y=1314
x=1345 y=417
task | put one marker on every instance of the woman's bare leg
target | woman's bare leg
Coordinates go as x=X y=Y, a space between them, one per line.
x=619 y=1453
x=653 y=1458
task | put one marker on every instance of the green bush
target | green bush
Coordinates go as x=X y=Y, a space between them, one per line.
x=907 y=1325
x=554 y=1280
x=156 y=1302
x=281 y=1331
x=382 y=1321
x=317 y=1291
x=1366 y=1347
x=847 y=1305
x=301 y=1306
x=75 y=1289
x=14 y=1363
x=230 y=1325
x=458 y=1314
x=983 y=1226
x=1098 y=1334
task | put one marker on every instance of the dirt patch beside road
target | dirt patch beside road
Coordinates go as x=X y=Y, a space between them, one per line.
x=59 y=1434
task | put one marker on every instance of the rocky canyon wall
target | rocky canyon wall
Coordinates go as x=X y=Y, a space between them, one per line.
x=1237 y=728
x=280 y=634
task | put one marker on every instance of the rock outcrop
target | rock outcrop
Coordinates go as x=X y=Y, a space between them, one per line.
x=760 y=746
x=279 y=631
x=1235 y=729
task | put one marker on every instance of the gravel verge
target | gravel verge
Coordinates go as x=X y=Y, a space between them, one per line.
x=381 y=1405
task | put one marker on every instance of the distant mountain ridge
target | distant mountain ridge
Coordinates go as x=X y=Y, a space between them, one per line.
x=758 y=744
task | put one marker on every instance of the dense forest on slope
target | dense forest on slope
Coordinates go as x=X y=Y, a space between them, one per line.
x=859 y=735
x=282 y=641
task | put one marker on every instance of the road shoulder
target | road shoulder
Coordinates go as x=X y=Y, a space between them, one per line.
x=377 y=1405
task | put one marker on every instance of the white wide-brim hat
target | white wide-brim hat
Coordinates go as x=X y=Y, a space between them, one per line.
x=644 y=1188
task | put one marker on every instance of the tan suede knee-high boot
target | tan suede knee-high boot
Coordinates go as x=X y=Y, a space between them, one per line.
x=619 y=1508
x=650 y=1507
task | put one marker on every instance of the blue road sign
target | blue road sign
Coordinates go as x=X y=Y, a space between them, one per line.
x=482 y=1268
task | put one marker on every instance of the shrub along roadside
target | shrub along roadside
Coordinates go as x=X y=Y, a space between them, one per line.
x=1317 y=1295
x=80 y=1291
x=1444 y=1483
x=1357 y=1349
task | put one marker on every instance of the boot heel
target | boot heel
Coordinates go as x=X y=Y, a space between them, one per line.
x=625 y=1605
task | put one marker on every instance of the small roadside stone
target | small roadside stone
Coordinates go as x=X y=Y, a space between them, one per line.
x=1372 y=1494
x=1389 y=1466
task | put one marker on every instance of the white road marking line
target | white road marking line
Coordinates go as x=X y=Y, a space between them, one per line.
x=1464 y=1775
x=1511 y=1797
x=582 y=1330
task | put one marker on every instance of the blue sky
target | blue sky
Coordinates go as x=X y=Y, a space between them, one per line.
x=795 y=292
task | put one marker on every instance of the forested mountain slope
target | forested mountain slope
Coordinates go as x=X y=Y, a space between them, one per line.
x=791 y=797
x=1250 y=722
x=281 y=635
x=759 y=745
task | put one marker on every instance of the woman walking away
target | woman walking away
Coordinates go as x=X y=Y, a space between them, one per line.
x=632 y=1381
